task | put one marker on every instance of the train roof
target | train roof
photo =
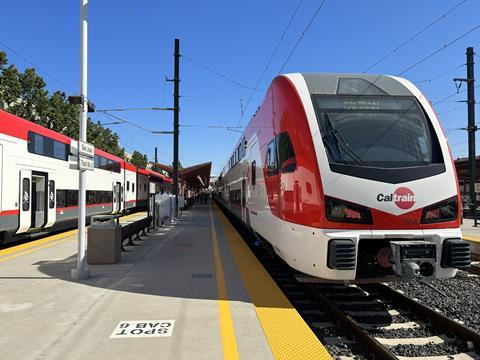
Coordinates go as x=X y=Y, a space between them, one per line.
x=354 y=84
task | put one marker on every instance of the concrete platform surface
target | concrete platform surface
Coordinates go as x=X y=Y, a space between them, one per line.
x=179 y=294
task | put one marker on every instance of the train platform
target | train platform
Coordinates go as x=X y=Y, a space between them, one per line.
x=191 y=290
x=472 y=235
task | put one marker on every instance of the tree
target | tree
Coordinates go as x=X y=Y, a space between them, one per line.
x=24 y=94
x=139 y=159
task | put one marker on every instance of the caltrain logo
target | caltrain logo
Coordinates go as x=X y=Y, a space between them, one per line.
x=403 y=197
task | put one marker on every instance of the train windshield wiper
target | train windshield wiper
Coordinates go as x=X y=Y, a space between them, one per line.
x=336 y=144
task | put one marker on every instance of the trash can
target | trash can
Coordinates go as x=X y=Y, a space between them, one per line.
x=104 y=240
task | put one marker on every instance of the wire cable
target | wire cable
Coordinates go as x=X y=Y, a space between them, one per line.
x=37 y=67
x=273 y=54
x=439 y=75
x=438 y=50
x=413 y=37
x=221 y=75
x=140 y=23
x=302 y=35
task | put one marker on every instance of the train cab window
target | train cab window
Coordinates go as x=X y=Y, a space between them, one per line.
x=254 y=172
x=286 y=155
x=128 y=185
x=272 y=166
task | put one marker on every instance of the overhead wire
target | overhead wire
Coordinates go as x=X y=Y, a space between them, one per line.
x=433 y=78
x=413 y=37
x=225 y=77
x=152 y=49
x=272 y=55
x=302 y=35
x=438 y=50
x=66 y=87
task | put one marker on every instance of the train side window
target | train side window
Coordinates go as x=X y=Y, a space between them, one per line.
x=144 y=187
x=26 y=194
x=96 y=161
x=72 y=196
x=133 y=187
x=254 y=172
x=286 y=155
x=272 y=166
x=60 y=150
x=128 y=185
x=61 y=198
x=38 y=144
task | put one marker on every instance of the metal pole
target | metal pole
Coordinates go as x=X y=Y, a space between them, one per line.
x=471 y=132
x=176 y=96
x=81 y=272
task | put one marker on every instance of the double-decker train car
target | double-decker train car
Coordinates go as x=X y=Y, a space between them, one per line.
x=348 y=178
x=39 y=185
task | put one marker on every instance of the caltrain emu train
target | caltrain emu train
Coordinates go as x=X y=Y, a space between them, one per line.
x=39 y=181
x=348 y=178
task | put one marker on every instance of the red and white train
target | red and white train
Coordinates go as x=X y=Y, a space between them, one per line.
x=39 y=185
x=348 y=178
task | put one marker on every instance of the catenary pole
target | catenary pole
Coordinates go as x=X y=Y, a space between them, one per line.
x=81 y=272
x=472 y=128
x=176 y=111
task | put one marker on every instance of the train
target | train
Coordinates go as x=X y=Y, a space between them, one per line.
x=348 y=178
x=39 y=181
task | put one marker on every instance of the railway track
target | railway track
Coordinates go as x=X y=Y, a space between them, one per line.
x=369 y=321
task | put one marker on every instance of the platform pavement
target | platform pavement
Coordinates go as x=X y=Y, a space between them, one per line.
x=472 y=234
x=172 y=275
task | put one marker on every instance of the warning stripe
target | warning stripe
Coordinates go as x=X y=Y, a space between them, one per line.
x=287 y=333
x=229 y=344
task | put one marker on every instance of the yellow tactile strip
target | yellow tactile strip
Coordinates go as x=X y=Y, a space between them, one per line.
x=471 y=238
x=227 y=331
x=287 y=333
x=31 y=246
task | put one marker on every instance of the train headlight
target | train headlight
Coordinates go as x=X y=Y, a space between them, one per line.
x=446 y=210
x=346 y=212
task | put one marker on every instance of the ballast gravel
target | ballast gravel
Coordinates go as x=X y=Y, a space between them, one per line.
x=462 y=301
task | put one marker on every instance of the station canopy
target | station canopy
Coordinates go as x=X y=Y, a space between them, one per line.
x=193 y=177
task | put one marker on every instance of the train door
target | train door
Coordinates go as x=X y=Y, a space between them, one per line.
x=39 y=199
x=51 y=201
x=25 y=191
x=117 y=197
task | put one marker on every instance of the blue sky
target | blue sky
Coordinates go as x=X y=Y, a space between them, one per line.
x=131 y=46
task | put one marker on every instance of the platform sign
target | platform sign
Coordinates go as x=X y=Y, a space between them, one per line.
x=143 y=328
x=85 y=163
x=86 y=149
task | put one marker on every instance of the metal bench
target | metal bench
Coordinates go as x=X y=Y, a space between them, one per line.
x=137 y=229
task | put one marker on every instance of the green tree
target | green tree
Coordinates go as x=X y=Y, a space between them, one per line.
x=24 y=94
x=139 y=159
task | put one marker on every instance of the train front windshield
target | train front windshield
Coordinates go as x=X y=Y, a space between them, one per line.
x=376 y=132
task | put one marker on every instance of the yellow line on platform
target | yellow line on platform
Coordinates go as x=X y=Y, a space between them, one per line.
x=287 y=333
x=42 y=243
x=229 y=343
x=471 y=238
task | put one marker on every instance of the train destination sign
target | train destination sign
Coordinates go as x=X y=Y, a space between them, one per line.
x=143 y=328
x=86 y=149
